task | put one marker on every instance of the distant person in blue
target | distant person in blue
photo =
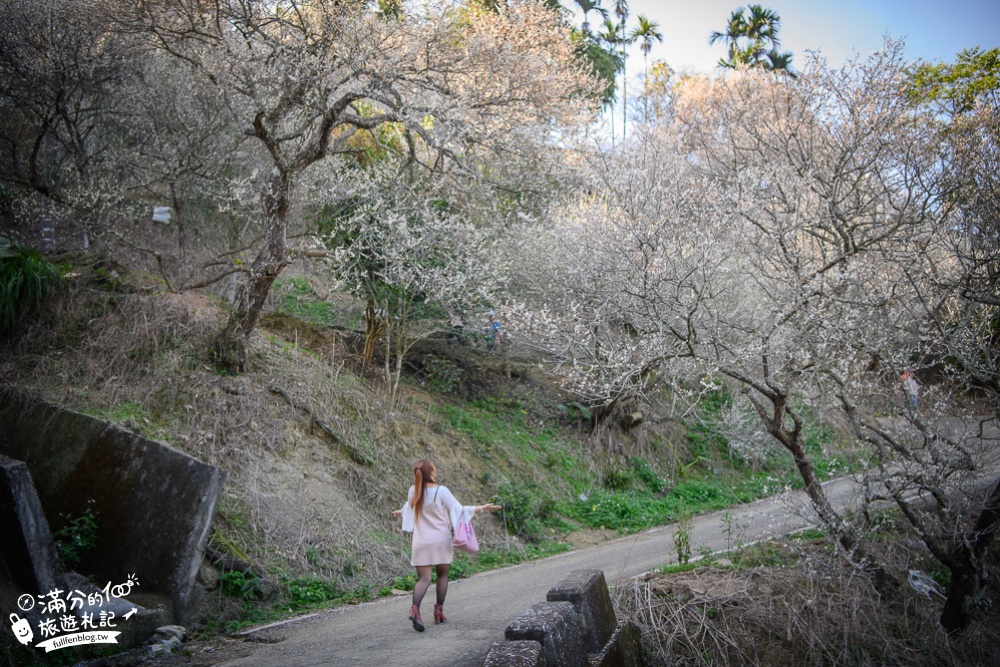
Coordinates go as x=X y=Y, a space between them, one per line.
x=493 y=330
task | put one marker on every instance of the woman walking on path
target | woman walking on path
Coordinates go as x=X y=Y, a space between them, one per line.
x=431 y=513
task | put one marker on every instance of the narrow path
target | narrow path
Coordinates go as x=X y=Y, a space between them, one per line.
x=481 y=607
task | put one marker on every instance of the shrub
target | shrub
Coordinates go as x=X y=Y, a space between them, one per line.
x=76 y=538
x=306 y=591
x=617 y=478
x=645 y=474
x=443 y=375
x=524 y=509
x=244 y=585
x=25 y=277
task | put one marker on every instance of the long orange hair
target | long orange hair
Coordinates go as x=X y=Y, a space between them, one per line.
x=423 y=472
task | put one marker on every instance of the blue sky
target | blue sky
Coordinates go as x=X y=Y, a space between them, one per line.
x=934 y=31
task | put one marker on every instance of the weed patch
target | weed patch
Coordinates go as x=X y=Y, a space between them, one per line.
x=76 y=538
x=299 y=299
x=796 y=600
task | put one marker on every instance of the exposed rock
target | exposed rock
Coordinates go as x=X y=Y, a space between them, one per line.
x=523 y=653
x=556 y=627
x=208 y=576
x=587 y=591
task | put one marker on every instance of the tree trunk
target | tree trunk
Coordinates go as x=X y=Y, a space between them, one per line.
x=969 y=567
x=229 y=349
x=885 y=583
x=374 y=328
x=792 y=441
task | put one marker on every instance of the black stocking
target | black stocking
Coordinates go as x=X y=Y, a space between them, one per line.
x=442 y=582
x=423 y=583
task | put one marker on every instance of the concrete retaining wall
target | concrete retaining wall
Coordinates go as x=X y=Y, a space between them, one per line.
x=26 y=548
x=154 y=504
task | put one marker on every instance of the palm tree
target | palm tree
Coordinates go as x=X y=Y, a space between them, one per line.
x=779 y=62
x=752 y=40
x=735 y=30
x=762 y=30
x=611 y=36
x=621 y=11
x=588 y=6
x=647 y=33
x=490 y=5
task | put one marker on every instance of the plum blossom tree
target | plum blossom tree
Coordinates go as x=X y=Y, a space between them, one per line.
x=97 y=129
x=409 y=252
x=792 y=237
x=306 y=80
x=59 y=119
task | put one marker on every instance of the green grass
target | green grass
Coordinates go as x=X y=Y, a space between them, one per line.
x=131 y=415
x=638 y=509
x=630 y=495
x=465 y=565
x=25 y=277
x=299 y=299
x=505 y=428
x=76 y=538
x=308 y=593
x=778 y=552
x=502 y=430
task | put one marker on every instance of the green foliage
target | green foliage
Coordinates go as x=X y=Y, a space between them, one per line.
x=574 y=411
x=129 y=415
x=526 y=510
x=975 y=75
x=76 y=538
x=704 y=441
x=314 y=557
x=810 y=534
x=636 y=474
x=680 y=568
x=603 y=63
x=645 y=474
x=715 y=398
x=617 y=478
x=405 y=583
x=940 y=575
x=490 y=559
x=443 y=375
x=682 y=538
x=309 y=591
x=503 y=426
x=390 y=9
x=636 y=508
x=472 y=424
x=752 y=40
x=247 y=586
x=299 y=299
x=25 y=278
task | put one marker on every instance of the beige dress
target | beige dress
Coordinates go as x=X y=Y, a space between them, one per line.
x=433 y=530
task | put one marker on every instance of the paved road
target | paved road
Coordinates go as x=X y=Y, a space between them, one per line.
x=479 y=608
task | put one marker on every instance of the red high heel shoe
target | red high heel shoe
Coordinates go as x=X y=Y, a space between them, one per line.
x=439 y=616
x=415 y=618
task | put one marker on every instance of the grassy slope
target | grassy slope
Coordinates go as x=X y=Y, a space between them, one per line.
x=319 y=455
